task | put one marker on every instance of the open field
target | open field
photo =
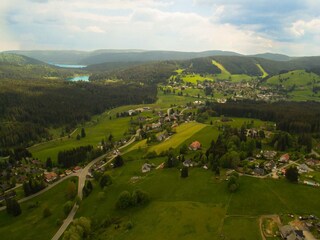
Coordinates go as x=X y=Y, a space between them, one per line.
x=95 y=131
x=176 y=202
x=183 y=132
x=194 y=78
x=241 y=228
x=31 y=224
x=264 y=73
x=297 y=77
x=226 y=75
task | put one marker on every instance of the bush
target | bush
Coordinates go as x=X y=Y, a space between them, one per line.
x=105 y=180
x=46 y=212
x=184 y=172
x=124 y=201
x=118 y=162
x=292 y=174
x=13 y=207
x=67 y=208
x=233 y=183
x=129 y=225
x=139 y=197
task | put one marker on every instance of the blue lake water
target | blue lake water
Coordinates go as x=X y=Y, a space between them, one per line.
x=79 y=78
x=68 y=65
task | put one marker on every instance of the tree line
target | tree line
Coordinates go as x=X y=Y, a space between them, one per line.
x=29 y=108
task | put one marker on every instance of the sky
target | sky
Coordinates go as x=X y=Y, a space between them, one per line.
x=290 y=27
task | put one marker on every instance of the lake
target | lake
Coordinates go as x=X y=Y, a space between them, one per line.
x=79 y=78
x=68 y=65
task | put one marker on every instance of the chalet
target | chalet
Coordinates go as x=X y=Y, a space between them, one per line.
x=270 y=165
x=187 y=163
x=303 y=168
x=196 y=145
x=258 y=171
x=311 y=183
x=146 y=168
x=284 y=158
x=67 y=172
x=269 y=154
x=131 y=112
x=50 y=176
x=312 y=162
x=76 y=169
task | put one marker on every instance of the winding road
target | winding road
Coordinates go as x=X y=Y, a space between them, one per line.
x=82 y=179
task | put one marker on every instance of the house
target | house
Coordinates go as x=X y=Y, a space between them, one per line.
x=289 y=233
x=50 y=176
x=303 y=168
x=196 y=145
x=312 y=162
x=187 y=163
x=131 y=111
x=76 y=169
x=270 y=165
x=67 y=172
x=285 y=231
x=269 y=154
x=311 y=183
x=146 y=168
x=259 y=171
x=284 y=158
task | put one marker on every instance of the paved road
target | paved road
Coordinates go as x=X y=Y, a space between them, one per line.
x=82 y=179
x=66 y=223
x=43 y=190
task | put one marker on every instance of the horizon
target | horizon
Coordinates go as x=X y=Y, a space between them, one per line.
x=286 y=27
x=16 y=51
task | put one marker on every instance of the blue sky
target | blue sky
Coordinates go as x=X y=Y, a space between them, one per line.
x=284 y=26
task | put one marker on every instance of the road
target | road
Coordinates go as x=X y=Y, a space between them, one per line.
x=43 y=190
x=82 y=179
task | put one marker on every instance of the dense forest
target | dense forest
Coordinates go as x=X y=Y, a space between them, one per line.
x=147 y=73
x=15 y=67
x=28 y=108
x=293 y=117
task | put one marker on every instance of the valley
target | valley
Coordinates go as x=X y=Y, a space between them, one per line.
x=191 y=149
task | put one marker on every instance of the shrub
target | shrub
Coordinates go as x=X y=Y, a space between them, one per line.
x=124 y=201
x=67 y=207
x=46 y=212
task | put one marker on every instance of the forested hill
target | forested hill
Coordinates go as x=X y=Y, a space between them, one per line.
x=29 y=108
x=13 y=66
x=111 y=56
x=161 y=71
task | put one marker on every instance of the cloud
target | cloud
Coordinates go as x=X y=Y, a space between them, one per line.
x=193 y=25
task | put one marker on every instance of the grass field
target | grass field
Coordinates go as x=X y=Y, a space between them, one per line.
x=249 y=228
x=95 y=131
x=183 y=132
x=226 y=75
x=194 y=78
x=31 y=225
x=236 y=122
x=198 y=207
x=297 y=77
x=264 y=73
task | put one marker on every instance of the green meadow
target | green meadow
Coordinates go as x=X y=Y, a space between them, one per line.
x=198 y=207
x=31 y=224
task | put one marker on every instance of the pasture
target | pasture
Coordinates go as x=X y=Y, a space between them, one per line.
x=199 y=206
x=31 y=224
